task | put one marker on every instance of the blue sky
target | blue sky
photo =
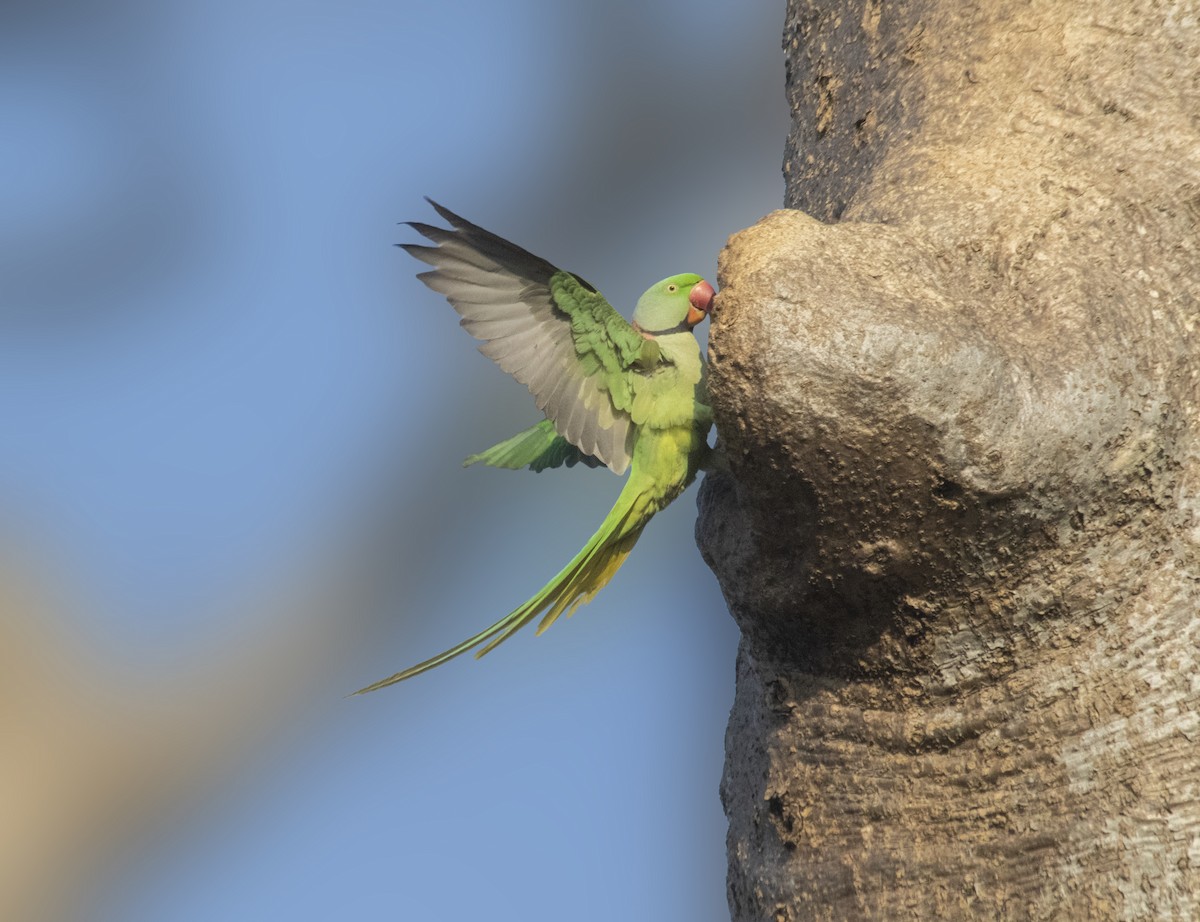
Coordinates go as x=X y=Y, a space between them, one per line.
x=214 y=366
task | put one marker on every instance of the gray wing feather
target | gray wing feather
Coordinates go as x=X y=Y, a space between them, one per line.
x=502 y=295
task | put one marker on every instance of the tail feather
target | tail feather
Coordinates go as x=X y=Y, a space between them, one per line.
x=576 y=584
x=590 y=579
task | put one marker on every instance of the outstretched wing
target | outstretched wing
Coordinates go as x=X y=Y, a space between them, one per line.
x=548 y=328
x=537 y=448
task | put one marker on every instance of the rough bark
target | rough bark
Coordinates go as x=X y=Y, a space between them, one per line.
x=959 y=388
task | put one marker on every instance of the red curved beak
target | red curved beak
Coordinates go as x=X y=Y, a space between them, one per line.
x=700 y=298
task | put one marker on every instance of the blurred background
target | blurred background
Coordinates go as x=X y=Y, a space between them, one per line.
x=230 y=489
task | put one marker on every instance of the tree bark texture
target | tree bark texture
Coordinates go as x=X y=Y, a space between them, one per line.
x=958 y=387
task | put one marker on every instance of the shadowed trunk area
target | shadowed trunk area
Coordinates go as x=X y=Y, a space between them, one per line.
x=958 y=389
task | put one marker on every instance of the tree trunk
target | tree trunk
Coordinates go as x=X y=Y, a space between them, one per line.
x=958 y=390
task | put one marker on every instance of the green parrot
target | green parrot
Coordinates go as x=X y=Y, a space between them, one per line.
x=630 y=396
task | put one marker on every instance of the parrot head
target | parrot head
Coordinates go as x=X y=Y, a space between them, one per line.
x=674 y=305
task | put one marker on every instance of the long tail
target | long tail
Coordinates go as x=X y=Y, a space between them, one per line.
x=576 y=584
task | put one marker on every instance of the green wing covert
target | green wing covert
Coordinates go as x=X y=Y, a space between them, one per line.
x=548 y=328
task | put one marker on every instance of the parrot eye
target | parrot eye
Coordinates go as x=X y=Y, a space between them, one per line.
x=672 y=288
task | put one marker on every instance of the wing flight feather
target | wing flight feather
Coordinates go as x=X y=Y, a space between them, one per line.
x=549 y=329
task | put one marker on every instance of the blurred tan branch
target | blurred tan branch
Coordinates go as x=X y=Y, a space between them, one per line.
x=94 y=761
